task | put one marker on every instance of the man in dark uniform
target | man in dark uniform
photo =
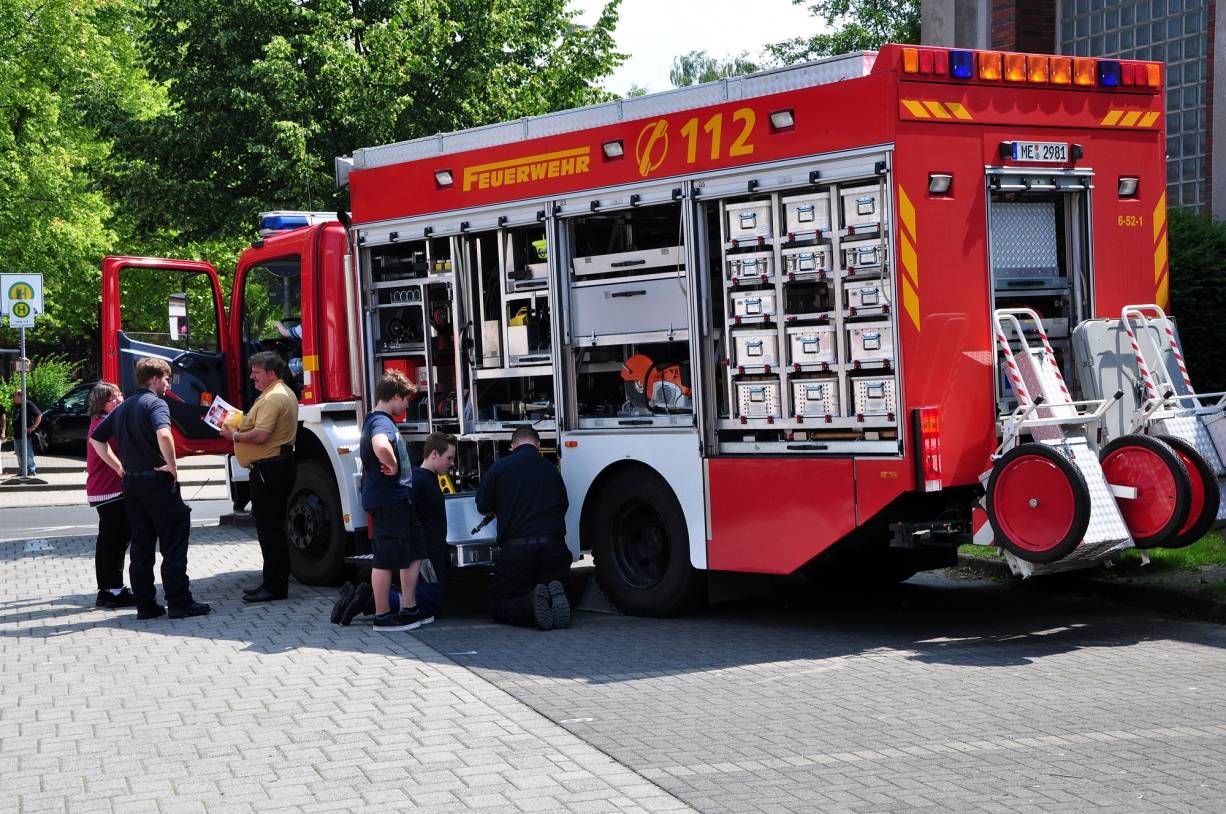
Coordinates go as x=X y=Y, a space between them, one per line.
x=156 y=511
x=527 y=495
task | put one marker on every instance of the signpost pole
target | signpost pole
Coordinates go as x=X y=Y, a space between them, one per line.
x=25 y=411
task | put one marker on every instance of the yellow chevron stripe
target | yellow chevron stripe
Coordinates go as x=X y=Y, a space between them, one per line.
x=910 y=302
x=959 y=111
x=1130 y=118
x=1148 y=119
x=1112 y=117
x=1159 y=216
x=909 y=258
x=1162 y=298
x=937 y=110
x=917 y=109
x=310 y=363
x=906 y=211
x=1159 y=258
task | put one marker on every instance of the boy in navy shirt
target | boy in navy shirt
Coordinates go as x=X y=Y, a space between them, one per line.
x=387 y=496
x=429 y=506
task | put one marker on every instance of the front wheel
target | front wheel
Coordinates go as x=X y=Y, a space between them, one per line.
x=315 y=527
x=641 y=547
x=1038 y=503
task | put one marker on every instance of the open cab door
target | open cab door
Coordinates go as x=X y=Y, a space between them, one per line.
x=171 y=310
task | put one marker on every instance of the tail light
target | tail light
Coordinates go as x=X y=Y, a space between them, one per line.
x=1015 y=67
x=1081 y=72
x=927 y=428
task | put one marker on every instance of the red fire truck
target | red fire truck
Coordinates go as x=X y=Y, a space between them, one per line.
x=753 y=319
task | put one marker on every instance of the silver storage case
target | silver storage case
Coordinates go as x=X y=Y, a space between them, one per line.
x=650 y=261
x=807 y=213
x=755 y=348
x=753 y=304
x=629 y=307
x=814 y=397
x=749 y=221
x=758 y=399
x=862 y=206
x=870 y=342
x=809 y=260
x=755 y=266
x=874 y=397
x=811 y=345
x=863 y=256
x=871 y=294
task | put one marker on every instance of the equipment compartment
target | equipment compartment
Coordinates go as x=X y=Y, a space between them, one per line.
x=815 y=397
x=749 y=221
x=751 y=267
x=872 y=294
x=807 y=213
x=753 y=304
x=655 y=304
x=811 y=345
x=811 y=260
x=870 y=342
x=873 y=397
x=668 y=259
x=863 y=256
x=758 y=399
x=861 y=206
x=755 y=349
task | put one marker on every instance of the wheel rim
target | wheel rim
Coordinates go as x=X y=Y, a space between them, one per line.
x=640 y=544
x=1034 y=503
x=1157 y=491
x=308 y=524
x=1196 y=496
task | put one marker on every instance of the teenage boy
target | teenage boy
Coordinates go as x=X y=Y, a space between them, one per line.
x=429 y=506
x=387 y=495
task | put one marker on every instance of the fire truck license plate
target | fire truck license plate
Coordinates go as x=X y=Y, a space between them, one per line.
x=1040 y=151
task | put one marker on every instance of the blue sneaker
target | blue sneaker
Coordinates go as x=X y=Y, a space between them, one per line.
x=389 y=623
x=414 y=618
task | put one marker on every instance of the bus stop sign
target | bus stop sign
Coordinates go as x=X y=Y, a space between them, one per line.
x=21 y=298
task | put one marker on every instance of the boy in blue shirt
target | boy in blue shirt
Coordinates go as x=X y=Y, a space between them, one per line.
x=388 y=496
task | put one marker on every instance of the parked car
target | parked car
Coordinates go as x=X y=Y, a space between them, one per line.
x=66 y=422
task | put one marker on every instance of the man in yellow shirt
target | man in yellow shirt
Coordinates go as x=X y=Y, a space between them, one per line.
x=264 y=443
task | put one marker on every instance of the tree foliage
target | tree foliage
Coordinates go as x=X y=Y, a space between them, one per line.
x=696 y=67
x=856 y=25
x=1198 y=293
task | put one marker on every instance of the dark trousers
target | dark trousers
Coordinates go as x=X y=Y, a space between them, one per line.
x=517 y=572
x=112 y=545
x=158 y=517
x=271 y=482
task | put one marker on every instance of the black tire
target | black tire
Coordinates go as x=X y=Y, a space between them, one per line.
x=1073 y=519
x=1192 y=460
x=641 y=546
x=1175 y=503
x=315 y=527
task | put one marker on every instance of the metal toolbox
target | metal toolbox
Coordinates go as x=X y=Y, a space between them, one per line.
x=628 y=307
x=807 y=213
x=870 y=342
x=871 y=294
x=874 y=397
x=813 y=397
x=663 y=260
x=755 y=348
x=811 y=345
x=758 y=399
x=753 y=304
x=745 y=221
x=862 y=205
x=756 y=266
x=863 y=256
x=809 y=260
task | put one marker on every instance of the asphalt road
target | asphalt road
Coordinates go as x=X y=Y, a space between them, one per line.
x=70 y=521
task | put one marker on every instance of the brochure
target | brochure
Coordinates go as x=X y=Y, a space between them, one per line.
x=222 y=414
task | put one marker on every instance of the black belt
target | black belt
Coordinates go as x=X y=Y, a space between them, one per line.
x=145 y=473
x=287 y=452
x=539 y=540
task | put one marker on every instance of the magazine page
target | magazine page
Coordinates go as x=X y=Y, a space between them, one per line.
x=222 y=414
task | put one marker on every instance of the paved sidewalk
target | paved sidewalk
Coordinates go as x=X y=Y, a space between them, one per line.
x=203 y=477
x=261 y=708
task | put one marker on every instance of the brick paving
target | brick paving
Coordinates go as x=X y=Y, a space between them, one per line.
x=943 y=696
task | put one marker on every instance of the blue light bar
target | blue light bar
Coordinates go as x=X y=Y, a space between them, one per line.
x=1109 y=73
x=282 y=223
x=962 y=64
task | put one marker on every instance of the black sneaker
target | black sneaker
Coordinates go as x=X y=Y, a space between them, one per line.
x=414 y=618
x=362 y=594
x=541 y=608
x=123 y=599
x=561 y=605
x=192 y=609
x=390 y=623
x=345 y=597
x=151 y=611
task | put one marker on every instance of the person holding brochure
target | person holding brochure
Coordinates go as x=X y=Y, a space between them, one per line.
x=264 y=443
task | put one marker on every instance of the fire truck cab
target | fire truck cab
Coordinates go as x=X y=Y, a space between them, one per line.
x=752 y=319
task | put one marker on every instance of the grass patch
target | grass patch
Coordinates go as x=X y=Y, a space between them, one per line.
x=983 y=552
x=1208 y=550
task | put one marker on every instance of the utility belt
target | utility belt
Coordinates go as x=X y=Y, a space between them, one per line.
x=286 y=453
x=512 y=542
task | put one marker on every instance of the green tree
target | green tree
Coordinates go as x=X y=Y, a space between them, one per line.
x=696 y=67
x=264 y=94
x=856 y=25
x=65 y=67
x=1198 y=293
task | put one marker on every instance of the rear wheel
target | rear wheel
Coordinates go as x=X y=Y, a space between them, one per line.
x=641 y=547
x=315 y=527
x=1160 y=508
x=1205 y=495
x=1037 y=503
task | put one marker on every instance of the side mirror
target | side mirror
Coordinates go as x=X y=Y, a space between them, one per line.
x=177 y=310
